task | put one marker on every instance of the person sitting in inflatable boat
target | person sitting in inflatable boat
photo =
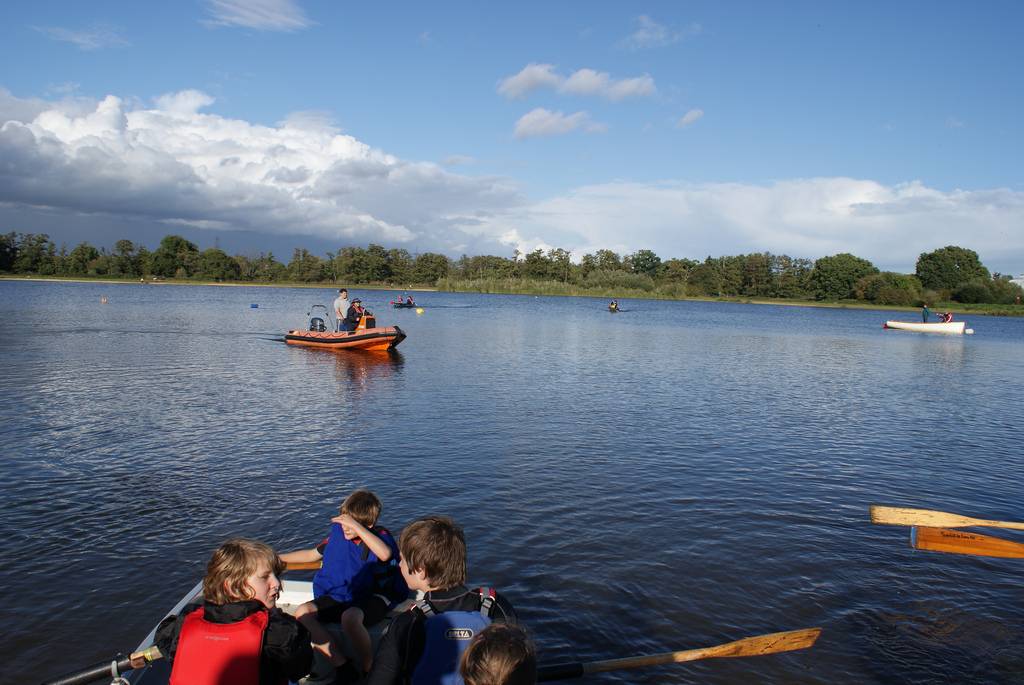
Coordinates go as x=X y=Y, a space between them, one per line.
x=355 y=312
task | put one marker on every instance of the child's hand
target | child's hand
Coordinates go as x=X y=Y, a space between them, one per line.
x=347 y=521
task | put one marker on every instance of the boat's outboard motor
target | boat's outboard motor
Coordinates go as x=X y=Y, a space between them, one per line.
x=316 y=324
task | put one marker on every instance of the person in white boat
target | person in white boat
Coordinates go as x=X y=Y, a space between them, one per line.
x=238 y=635
x=925 y=314
x=947 y=317
x=499 y=654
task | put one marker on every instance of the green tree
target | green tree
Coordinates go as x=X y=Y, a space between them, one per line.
x=123 y=261
x=431 y=266
x=889 y=288
x=215 y=264
x=606 y=260
x=949 y=267
x=645 y=262
x=78 y=260
x=34 y=253
x=560 y=264
x=378 y=270
x=1004 y=291
x=973 y=292
x=792 y=276
x=305 y=267
x=8 y=251
x=537 y=266
x=175 y=257
x=400 y=264
x=834 y=278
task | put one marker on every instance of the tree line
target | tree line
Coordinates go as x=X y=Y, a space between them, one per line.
x=948 y=273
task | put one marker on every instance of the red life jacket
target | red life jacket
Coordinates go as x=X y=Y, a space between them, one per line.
x=219 y=653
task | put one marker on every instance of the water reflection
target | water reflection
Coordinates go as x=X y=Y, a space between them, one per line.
x=357 y=371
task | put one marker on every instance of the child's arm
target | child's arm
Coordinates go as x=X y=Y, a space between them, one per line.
x=376 y=545
x=301 y=555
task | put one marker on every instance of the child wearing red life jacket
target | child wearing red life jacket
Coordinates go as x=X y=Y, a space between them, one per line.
x=357 y=584
x=237 y=636
x=499 y=655
x=423 y=646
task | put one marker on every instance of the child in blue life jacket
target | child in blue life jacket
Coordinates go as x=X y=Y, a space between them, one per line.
x=357 y=584
x=499 y=655
x=237 y=636
x=423 y=646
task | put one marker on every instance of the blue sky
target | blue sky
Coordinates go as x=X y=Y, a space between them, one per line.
x=690 y=128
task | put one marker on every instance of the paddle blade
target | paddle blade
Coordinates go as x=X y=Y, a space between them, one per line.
x=904 y=516
x=959 y=542
x=772 y=643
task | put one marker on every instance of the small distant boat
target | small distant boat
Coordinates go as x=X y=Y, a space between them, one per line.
x=948 y=327
x=367 y=335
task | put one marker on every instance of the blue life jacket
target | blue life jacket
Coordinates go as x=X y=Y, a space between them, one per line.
x=447 y=636
x=352 y=572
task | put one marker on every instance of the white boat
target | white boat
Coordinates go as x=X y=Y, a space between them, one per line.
x=293 y=594
x=949 y=327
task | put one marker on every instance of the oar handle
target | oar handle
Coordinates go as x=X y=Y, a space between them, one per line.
x=108 y=669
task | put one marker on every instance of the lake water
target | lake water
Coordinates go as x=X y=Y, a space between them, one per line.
x=678 y=475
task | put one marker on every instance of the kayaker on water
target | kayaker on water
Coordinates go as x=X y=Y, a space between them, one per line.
x=499 y=655
x=613 y=306
x=237 y=635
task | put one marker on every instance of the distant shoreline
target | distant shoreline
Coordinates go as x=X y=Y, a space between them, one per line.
x=125 y=281
x=1010 y=310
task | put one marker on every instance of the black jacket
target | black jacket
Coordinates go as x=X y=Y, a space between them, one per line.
x=402 y=643
x=287 y=653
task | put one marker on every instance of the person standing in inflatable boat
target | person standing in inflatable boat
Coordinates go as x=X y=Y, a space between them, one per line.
x=238 y=635
x=423 y=645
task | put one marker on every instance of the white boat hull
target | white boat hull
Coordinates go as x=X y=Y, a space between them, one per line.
x=949 y=328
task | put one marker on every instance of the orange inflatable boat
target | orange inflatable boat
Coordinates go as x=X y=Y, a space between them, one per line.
x=367 y=335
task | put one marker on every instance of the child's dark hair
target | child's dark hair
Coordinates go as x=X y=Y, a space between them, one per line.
x=500 y=654
x=435 y=545
x=363 y=506
x=230 y=567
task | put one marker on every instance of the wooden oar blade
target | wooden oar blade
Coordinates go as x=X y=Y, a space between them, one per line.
x=960 y=542
x=905 y=516
x=759 y=645
x=772 y=643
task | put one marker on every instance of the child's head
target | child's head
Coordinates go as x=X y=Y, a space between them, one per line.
x=363 y=506
x=499 y=654
x=433 y=553
x=243 y=569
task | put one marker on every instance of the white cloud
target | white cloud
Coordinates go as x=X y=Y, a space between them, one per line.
x=175 y=164
x=263 y=15
x=94 y=37
x=812 y=218
x=690 y=117
x=651 y=34
x=541 y=122
x=531 y=77
x=582 y=82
